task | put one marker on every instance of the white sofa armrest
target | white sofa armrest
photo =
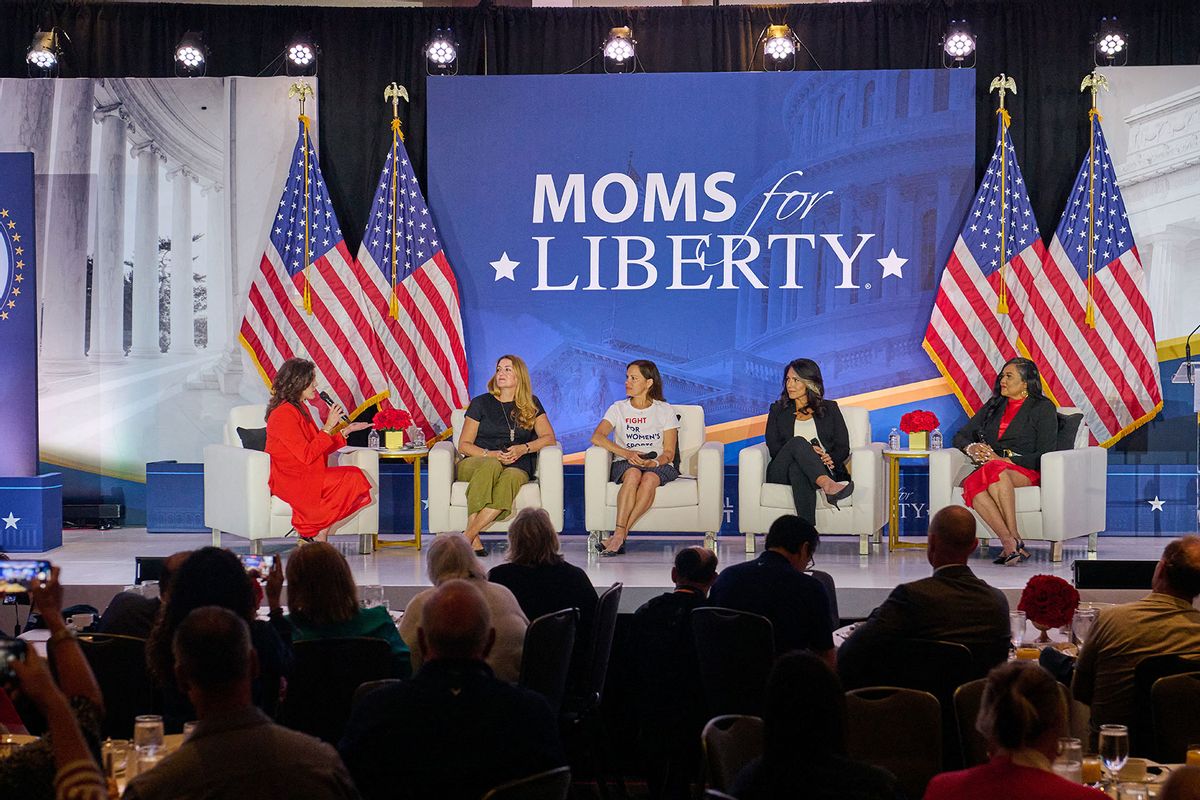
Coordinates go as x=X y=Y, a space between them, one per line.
x=752 y=474
x=943 y=467
x=366 y=520
x=710 y=484
x=596 y=464
x=441 y=478
x=550 y=480
x=1074 y=492
x=870 y=486
x=237 y=499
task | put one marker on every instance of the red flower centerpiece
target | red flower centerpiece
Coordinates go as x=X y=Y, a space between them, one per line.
x=917 y=424
x=392 y=423
x=1048 y=602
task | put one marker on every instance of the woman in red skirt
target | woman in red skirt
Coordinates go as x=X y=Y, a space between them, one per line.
x=320 y=495
x=1007 y=439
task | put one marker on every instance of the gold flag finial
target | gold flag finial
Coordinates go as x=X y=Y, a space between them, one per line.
x=394 y=93
x=1095 y=82
x=302 y=90
x=1004 y=84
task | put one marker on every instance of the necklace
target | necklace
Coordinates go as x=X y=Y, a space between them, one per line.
x=512 y=428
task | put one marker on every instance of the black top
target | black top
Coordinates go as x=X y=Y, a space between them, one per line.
x=452 y=715
x=828 y=777
x=831 y=428
x=1032 y=432
x=495 y=420
x=795 y=603
x=129 y=614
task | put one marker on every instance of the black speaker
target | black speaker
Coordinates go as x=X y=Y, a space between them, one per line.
x=1114 y=574
x=147 y=568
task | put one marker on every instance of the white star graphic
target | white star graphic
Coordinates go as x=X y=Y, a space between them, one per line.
x=504 y=267
x=10 y=521
x=892 y=264
x=1156 y=504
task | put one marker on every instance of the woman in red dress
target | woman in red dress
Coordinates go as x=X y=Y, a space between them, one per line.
x=320 y=495
x=1007 y=439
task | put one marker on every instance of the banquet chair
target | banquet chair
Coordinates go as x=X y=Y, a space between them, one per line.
x=323 y=682
x=580 y=715
x=238 y=500
x=730 y=742
x=366 y=688
x=554 y=784
x=826 y=581
x=1146 y=675
x=1069 y=503
x=448 y=495
x=861 y=514
x=1175 y=702
x=897 y=729
x=546 y=655
x=735 y=651
x=969 y=697
x=691 y=503
x=119 y=664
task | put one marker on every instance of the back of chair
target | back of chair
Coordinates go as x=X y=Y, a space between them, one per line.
x=326 y=675
x=546 y=657
x=456 y=422
x=603 y=630
x=119 y=664
x=365 y=689
x=858 y=425
x=691 y=436
x=730 y=743
x=251 y=416
x=967 y=699
x=1147 y=672
x=897 y=729
x=826 y=580
x=553 y=784
x=736 y=650
x=1176 y=704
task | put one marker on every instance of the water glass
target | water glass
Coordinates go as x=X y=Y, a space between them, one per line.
x=1069 y=763
x=188 y=729
x=1016 y=621
x=148 y=731
x=1132 y=791
x=373 y=596
x=1081 y=623
x=1114 y=747
x=114 y=756
x=148 y=758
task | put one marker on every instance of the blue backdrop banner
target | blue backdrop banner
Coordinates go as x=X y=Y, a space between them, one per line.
x=718 y=224
x=18 y=319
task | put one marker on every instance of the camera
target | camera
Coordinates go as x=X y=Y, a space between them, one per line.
x=261 y=564
x=18 y=576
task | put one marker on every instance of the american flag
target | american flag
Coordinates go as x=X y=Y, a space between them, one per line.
x=973 y=328
x=413 y=296
x=306 y=300
x=1090 y=330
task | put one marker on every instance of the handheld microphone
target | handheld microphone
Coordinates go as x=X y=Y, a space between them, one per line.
x=817 y=443
x=324 y=395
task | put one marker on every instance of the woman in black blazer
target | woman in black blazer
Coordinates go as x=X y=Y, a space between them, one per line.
x=1007 y=439
x=808 y=440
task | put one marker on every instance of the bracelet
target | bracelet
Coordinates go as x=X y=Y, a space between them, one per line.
x=60 y=635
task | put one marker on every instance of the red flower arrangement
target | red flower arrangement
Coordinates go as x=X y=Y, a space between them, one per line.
x=918 y=421
x=392 y=419
x=1049 y=601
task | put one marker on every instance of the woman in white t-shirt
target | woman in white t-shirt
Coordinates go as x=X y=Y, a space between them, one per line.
x=645 y=433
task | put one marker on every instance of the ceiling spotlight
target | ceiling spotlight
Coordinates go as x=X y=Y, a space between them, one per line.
x=44 y=56
x=958 y=44
x=1112 y=44
x=302 y=55
x=191 y=55
x=620 y=50
x=779 y=48
x=441 y=53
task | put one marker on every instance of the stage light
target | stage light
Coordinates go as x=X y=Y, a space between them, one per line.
x=958 y=44
x=44 y=56
x=302 y=54
x=441 y=53
x=191 y=55
x=1111 y=44
x=620 y=50
x=779 y=48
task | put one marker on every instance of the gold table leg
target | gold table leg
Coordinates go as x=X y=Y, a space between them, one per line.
x=416 y=540
x=894 y=542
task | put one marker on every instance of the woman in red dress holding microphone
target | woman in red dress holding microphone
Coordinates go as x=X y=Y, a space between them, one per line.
x=320 y=495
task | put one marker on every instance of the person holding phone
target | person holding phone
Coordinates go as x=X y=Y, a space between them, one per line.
x=320 y=495
x=645 y=432
x=502 y=431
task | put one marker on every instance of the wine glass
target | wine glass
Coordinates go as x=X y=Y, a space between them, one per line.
x=1114 y=748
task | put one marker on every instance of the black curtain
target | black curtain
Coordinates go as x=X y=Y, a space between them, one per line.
x=1043 y=44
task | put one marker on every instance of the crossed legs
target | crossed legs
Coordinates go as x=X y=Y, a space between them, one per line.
x=997 y=505
x=634 y=499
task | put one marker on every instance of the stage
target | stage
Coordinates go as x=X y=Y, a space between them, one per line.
x=97 y=564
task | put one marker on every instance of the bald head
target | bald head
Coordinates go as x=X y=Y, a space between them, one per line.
x=456 y=623
x=695 y=567
x=1184 y=784
x=1178 y=572
x=951 y=536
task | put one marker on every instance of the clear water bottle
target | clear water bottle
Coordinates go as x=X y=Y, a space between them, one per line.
x=935 y=439
x=373 y=439
x=894 y=439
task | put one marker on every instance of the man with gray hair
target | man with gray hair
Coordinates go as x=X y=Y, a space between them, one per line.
x=465 y=730
x=236 y=750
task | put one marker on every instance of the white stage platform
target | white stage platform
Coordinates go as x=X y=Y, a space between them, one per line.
x=97 y=564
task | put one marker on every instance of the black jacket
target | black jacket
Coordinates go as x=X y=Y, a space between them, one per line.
x=1032 y=432
x=831 y=428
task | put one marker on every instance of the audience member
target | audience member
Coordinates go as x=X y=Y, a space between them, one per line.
x=466 y=730
x=775 y=586
x=73 y=710
x=951 y=606
x=671 y=707
x=804 y=741
x=1162 y=623
x=323 y=602
x=451 y=557
x=133 y=614
x=1022 y=715
x=215 y=577
x=1182 y=784
x=235 y=750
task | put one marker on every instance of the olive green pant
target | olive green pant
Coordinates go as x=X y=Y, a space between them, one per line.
x=490 y=484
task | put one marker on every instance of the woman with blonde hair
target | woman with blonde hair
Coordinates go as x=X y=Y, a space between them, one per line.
x=502 y=431
x=450 y=557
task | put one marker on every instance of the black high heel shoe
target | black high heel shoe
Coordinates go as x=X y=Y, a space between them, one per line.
x=1025 y=554
x=841 y=494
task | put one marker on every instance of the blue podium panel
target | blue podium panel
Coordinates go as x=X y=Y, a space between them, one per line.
x=174 y=497
x=31 y=513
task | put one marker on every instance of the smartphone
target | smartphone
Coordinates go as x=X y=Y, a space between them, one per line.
x=10 y=650
x=263 y=564
x=18 y=576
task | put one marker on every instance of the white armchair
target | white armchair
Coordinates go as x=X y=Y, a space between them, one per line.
x=237 y=499
x=448 y=496
x=692 y=502
x=861 y=514
x=1070 y=502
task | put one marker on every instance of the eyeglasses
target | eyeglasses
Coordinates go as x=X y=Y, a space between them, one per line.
x=812 y=562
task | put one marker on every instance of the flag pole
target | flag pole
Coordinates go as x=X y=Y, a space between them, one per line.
x=392 y=94
x=1093 y=81
x=1003 y=83
x=303 y=90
